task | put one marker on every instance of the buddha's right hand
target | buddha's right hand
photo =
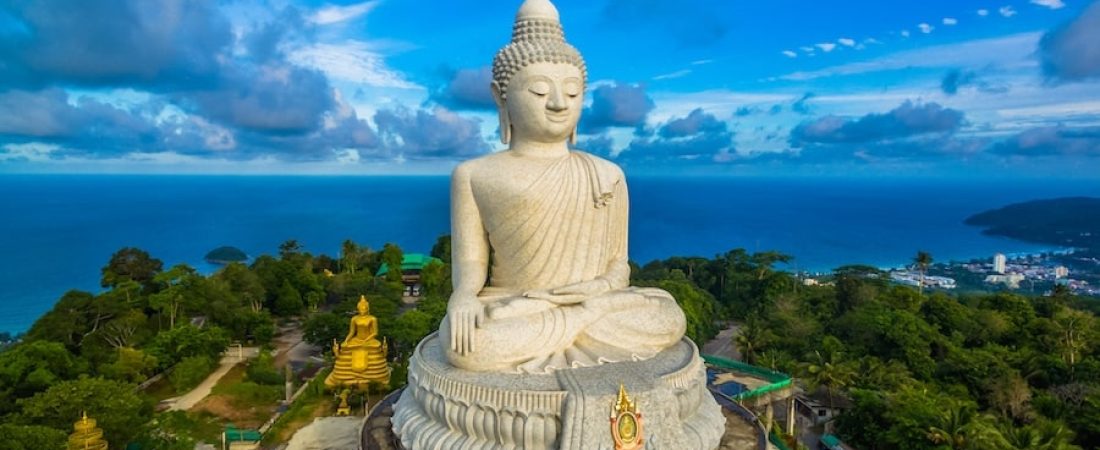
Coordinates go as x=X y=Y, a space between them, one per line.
x=465 y=316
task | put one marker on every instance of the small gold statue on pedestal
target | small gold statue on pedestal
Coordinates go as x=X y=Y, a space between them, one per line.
x=361 y=359
x=86 y=436
x=344 y=409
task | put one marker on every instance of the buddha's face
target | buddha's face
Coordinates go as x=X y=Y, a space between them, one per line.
x=363 y=309
x=544 y=102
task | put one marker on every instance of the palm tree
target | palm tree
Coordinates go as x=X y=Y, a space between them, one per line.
x=959 y=427
x=1041 y=435
x=828 y=370
x=923 y=260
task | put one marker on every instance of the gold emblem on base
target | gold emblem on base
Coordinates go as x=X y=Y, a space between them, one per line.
x=626 y=423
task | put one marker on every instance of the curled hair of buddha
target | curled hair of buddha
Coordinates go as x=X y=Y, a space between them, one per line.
x=536 y=37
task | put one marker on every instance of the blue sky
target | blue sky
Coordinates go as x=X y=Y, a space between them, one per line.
x=1008 y=88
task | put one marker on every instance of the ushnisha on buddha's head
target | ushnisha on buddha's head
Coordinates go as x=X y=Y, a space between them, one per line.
x=538 y=79
x=363 y=307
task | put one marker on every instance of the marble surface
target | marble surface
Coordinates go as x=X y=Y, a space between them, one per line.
x=447 y=407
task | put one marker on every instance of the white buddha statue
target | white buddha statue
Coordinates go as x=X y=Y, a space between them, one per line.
x=541 y=279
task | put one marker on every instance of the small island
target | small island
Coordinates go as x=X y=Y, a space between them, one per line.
x=1067 y=222
x=225 y=255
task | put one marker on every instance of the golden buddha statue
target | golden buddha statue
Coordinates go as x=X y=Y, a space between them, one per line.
x=86 y=436
x=361 y=359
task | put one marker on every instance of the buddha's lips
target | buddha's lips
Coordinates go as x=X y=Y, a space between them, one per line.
x=557 y=118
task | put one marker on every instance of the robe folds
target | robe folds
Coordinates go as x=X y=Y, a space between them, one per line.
x=568 y=226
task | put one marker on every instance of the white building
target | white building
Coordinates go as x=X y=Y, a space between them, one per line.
x=999 y=262
x=1061 y=272
x=1012 y=280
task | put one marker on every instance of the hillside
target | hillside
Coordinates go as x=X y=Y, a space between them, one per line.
x=1066 y=222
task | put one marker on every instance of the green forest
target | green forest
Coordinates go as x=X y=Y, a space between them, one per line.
x=920 y=370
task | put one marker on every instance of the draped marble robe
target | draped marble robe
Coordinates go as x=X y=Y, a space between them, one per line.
x=568 y=226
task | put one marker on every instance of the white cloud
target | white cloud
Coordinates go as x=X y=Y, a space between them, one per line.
x=347 y=156
x=1009 y=51
x=353 y=61
x=905 y=33
x=925 y=28
x=1007 y=11
x=673 y=75
x=826 y=46
x=342 y=13
x=870 y=41
x=949 y=21
x=790 y=54
x=847 y=42
x=30 y=151
x=806 y=49
x=983 y=12
x=1052 y=4
x=702 y=62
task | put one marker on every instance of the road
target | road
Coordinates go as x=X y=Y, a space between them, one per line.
x=722 y=345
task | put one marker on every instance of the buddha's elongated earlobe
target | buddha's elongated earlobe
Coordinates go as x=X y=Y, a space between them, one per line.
x=502 y=111
x=573 y=137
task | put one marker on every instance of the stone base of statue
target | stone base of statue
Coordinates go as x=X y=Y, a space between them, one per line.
x=447 y=407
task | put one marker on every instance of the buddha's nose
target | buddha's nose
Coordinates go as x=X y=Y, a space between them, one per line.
x=556 y=102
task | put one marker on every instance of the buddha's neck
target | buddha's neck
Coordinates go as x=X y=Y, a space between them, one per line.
x=534 y=149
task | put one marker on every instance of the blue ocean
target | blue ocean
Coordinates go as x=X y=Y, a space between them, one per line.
x=58 y=231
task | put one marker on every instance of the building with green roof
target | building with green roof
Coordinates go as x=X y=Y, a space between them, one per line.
x=411 y=266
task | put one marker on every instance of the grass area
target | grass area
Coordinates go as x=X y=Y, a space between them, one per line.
x=161 y=390
x=314 y=402
x=197 y=427
x=239 y=401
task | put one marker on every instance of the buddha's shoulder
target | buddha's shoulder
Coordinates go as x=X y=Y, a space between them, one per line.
x=604 y=166
x=473 y=167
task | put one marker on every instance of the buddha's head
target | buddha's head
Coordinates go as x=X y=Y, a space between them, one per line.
x=363 y=306
x=538 y=79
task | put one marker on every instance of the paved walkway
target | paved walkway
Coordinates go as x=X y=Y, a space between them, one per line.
x=192 y=398
x=722 y=345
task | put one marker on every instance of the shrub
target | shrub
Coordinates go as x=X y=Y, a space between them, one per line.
x=190 y=372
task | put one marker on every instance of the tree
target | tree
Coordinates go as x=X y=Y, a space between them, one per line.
x=172 y=296
x=31 y=437
x=392 y=256
x=171 y=346
x=288 y=301
x=350 y=256
x=32 y=367
x=1011 y=396
x=828 y=370
x=410 y=328
x=442 y=249
x=320 y=329
x=189 y=372
x=1041 y=435
x=958 y=426
x=923 y=260
x=436 y=279
x=125 y=331
x=244 y=284
x=1075 y=330
x=119 y=410
x=289 y=248
x=132 y=365
x=130 y=264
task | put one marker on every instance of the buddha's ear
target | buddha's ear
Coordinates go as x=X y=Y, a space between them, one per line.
x=502 y=111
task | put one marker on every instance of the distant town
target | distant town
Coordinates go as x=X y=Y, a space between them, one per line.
x=1033 y=273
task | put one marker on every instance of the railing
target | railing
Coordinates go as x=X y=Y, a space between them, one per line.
x=777 y=380
x=728 y=403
